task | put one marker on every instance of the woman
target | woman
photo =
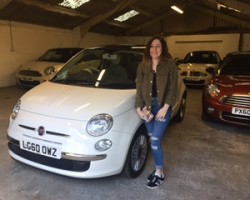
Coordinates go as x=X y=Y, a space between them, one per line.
x=156 y=86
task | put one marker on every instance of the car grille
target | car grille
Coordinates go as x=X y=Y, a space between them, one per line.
x=29 y=83
x=64 y=164
x=192 y=73
x=195 y=73
x=200 y=82
x=47 y=132
x=239 y=101
x=30 y=73
x=236 y=100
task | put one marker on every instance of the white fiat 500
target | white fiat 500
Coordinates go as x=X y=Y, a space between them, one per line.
x=83 y=122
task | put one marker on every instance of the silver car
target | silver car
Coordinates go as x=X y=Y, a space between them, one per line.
x=197 y=66
x=35 y=72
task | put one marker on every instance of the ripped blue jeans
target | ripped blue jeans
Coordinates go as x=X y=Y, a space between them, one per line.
x=156 y=130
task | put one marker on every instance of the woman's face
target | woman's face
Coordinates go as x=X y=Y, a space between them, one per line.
x=155 y=49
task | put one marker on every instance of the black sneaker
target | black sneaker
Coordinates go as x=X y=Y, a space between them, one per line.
x=151 y=176
x=155 y=182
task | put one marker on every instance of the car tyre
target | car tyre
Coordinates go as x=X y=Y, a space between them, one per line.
x=137 y=155
x=181 y=111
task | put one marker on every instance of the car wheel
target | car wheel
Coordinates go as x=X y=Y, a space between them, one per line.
x=137 y=155
x=181 y=111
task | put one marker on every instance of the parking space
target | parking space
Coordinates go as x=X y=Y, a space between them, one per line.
x=204 y=161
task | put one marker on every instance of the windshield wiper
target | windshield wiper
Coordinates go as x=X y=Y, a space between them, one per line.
x=74 y=82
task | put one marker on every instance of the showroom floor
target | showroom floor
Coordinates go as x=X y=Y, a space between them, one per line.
x=204 y=161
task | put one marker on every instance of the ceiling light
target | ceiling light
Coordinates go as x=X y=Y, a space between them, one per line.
x=230 y=8
x=126 y=16
x=73 y=3
x=177 y=9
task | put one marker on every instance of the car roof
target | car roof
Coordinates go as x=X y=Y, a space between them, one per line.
x=67 y=48
x=120 y=46
x=204 y=51
x=239 y=53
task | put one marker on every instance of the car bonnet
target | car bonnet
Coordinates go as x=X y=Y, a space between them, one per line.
x=38 y=65
x=76 y=102
x=233 y=83
x=195 y=66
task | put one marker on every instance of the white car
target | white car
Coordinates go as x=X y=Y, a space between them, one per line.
x=35 y=72
x=83 y=122
x=197 y=66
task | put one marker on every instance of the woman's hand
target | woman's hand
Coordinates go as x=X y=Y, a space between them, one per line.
x=162 y=113
x=142 y=113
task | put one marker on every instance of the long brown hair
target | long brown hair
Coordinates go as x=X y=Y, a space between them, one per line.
x=147 y=60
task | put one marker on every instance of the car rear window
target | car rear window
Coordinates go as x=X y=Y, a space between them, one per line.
x=201 y=57
x=59 y=55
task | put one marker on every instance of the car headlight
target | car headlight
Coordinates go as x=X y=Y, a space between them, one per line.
x=99 y=124
x=103 y=145
x=49 y=70
x=16 y=110
x=213 y=90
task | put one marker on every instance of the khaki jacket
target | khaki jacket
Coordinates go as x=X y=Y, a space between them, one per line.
x=166 y=82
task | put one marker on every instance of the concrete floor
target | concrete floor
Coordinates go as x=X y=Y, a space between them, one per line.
x=204 y=161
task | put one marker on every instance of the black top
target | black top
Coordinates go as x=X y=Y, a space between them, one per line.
x=154 y=88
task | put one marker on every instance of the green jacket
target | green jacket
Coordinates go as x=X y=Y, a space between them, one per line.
x=166 y=82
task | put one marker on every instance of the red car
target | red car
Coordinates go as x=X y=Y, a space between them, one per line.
x=227 y=96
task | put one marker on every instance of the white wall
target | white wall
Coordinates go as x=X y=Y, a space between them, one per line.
x=246 y=42
x=94 y=39
x=222 y=43
x=179 y=46
x=20 y=43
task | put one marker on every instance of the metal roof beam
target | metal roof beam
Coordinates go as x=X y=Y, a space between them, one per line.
x=4 y=3
x=222 y=16
x=243 y=7
x=103 y=16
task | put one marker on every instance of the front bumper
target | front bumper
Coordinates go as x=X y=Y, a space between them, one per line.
x=31 y=81
x=223 y=113
x=195 y=80
x=75 y=164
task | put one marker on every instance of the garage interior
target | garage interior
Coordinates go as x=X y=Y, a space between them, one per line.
x=204 y=160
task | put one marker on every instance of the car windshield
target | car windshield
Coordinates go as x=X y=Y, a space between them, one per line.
x=59 y=55
x=236 y=65
x=101 y=67
x=201 y=57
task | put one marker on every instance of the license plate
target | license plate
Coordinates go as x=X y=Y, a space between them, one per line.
x=192 y=78
x=48 y=149
x=241 y=111
x=24 y=78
